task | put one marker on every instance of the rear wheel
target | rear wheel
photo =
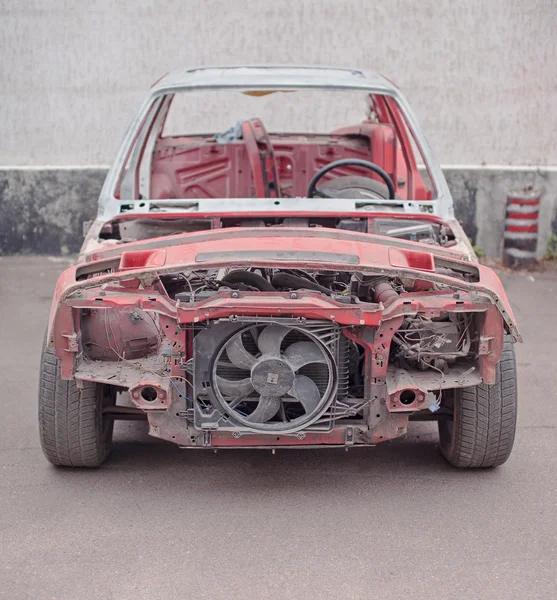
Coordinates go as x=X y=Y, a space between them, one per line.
x=72 y=430
x=481 y=432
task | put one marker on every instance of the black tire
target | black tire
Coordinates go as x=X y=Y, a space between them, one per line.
x=71 y=428
x=481 y=433
x=356 y=187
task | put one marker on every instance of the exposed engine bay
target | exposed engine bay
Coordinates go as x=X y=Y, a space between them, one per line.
x=285 y=374
x=304 y=361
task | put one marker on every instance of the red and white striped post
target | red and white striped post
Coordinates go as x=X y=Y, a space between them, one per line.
x=521 y=227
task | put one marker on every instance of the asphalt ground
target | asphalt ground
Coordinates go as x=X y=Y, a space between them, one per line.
x=392 y=521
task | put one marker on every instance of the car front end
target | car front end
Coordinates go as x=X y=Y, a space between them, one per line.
x=279 y=337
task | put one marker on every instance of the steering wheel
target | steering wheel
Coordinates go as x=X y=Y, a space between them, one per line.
x=313 y=190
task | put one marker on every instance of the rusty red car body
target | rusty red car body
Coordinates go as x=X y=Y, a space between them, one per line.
x=230 y=308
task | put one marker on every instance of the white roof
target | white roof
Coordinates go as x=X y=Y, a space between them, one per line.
x=273 y=77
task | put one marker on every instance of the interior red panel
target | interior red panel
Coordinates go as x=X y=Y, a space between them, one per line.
x=199 y=167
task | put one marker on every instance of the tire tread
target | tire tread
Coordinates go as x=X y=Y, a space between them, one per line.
x=70 y=420
x=485 y=419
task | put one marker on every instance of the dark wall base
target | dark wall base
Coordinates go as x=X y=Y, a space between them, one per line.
x=464 y=191
x=42 y=211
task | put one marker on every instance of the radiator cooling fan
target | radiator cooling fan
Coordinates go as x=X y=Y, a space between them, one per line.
x=274 y=378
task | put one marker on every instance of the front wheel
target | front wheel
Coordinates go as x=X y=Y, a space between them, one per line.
x=72 y=429
x=481 y=432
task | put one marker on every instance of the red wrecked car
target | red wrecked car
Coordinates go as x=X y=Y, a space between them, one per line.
x=261 y=285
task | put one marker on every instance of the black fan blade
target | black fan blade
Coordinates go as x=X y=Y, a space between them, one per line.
x=266 y=409
x=271 y=338
x=238 y=355
x=241 y=387
x=304 y=353
x=306 y=391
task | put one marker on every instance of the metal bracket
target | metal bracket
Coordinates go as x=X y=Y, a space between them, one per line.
x=294 y=322
x=73 y=346
x=349 y=436
x=485 y=345
x=187 y=365
x=206 y=437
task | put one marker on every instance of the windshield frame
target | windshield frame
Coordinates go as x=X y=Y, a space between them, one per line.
x=158 y=101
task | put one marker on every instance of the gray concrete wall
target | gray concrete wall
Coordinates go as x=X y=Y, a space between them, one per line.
x=480 y=73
